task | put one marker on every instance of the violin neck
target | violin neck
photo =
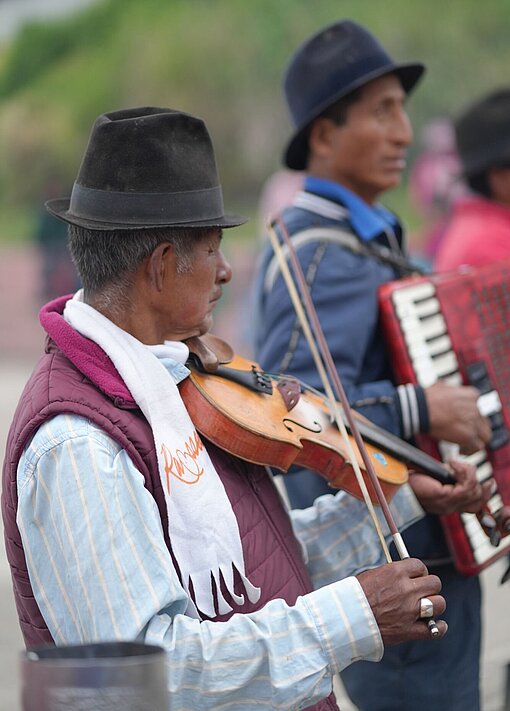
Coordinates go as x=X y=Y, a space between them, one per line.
x=404 y=451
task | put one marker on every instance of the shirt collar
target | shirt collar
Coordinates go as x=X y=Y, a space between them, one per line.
x=172 y=355
x=368 y=221
x=178 y=371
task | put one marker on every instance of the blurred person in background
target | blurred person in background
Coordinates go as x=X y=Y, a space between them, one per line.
x=478 y=231
x=434 y=186
x=347 y=98
x=58 y=273
x=276 y=193
x=122 y=522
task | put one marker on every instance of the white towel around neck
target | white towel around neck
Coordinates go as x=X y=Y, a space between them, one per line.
x=202 y=526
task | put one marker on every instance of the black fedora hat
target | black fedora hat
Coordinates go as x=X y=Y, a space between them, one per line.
x=482 y=133
x=146 y=167
x=336 y=60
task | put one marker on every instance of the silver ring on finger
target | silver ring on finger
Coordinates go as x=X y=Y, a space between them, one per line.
x=426 y=608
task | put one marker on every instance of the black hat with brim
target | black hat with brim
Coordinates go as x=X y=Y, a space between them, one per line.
x=330 y=65
x=146 y=168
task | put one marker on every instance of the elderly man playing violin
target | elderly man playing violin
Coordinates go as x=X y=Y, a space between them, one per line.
x=121 y=521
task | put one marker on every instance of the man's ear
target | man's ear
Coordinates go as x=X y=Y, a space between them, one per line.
x=320 y=137
x=160 y=265
x=499 y=184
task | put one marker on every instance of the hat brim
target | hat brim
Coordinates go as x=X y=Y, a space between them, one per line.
x=296 y=152
x=60 y=208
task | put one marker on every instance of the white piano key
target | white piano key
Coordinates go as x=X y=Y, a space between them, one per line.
x=495 y=503
x=427 y=308
x=423 y=361
x=415 y=330
x=409 y=322
x=416 y=341
x=405 y=310
x=445 y=364
x=414 y=335
x=418 y=349
x=489 y=403
x=414 y=292
x=475 y=533
x=420 y=309
x=433 y=327
x=425 y=374
x=472 y=525
x=454 y=379
x=477 y=458
x=449 y=450
x=484 y=471
x=442 y=344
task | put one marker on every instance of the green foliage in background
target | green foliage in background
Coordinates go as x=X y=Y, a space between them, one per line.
x=222 y=60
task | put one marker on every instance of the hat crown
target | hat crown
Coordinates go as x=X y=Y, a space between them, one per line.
x=334 y=58
x=148 y=150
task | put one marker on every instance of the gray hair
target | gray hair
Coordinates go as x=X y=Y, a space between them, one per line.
x=107 y=260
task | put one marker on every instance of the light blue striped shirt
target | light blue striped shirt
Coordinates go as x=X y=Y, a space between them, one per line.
x=100 y=570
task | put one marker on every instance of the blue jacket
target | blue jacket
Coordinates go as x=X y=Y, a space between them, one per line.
x=344 y=287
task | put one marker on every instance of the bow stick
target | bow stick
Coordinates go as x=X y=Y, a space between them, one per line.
x=331 y=379
x=333 y=404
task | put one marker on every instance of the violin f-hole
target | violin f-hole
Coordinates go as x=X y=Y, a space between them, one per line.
x=287 y=421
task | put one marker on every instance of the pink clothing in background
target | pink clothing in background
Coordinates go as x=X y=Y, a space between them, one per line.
x=478 y=233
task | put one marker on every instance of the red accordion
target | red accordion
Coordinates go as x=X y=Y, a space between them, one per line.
x=456 y=327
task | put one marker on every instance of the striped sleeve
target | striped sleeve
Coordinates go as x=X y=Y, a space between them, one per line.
x=412 y=407
x=100 y=570
x=339 y=537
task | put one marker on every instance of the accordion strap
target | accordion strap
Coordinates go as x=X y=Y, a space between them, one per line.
x=342 y=238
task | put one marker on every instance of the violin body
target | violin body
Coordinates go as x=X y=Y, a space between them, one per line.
x=259 y=427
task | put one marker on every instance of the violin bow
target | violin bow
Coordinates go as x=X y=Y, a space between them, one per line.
x=333 y=403
x=333 y=386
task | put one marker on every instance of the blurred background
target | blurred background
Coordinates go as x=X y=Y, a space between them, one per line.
x=63 y=62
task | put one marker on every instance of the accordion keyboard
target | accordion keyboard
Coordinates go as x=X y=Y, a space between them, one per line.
x=455 y=327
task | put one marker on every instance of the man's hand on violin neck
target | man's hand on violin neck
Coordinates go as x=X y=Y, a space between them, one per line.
x=394 y=592
x=454 y=416
x=467 y=494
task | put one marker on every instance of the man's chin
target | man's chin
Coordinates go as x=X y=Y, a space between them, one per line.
x=393 y=179
x=206 y=326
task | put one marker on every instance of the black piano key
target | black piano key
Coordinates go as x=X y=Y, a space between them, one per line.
x=499 y=438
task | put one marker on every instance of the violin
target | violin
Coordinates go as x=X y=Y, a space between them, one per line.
x=277 y=421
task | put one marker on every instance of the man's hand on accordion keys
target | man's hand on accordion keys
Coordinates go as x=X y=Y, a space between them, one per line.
x=466 y=495
x=454 y=416
x=495 y=525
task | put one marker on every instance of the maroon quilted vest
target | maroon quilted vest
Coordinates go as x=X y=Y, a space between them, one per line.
x=272 y=557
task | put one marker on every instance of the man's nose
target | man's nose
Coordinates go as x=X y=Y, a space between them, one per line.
x=224 y=273
x=402 y=129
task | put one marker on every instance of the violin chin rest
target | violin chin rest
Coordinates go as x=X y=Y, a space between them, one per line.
x=211 y=351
